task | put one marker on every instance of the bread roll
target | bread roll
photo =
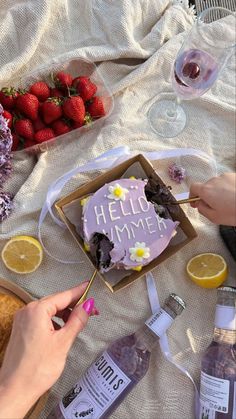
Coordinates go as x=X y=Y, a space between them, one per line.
x=9 y=304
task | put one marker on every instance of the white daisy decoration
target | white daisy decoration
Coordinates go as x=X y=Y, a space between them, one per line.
x=139 y=252
x=117 y=192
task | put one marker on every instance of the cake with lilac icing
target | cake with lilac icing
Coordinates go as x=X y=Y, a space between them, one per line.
x=124 y=226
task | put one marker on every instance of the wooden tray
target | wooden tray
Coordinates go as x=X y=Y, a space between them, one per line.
x=8 y=287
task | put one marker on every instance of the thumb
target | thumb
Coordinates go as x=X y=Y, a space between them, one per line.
x=195 y=190
x=77 y=321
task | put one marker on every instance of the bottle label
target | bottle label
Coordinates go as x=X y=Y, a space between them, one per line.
x=159 y=322
x=214 y=395
x=96 y=391
x=225 y=317
x=234 y=401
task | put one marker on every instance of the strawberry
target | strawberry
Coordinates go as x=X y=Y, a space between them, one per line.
x=41 y=90
x=63 y=79
x=87 y=121
x=60 y=127
x=28 y=104
x=24 y=128
x=29 y=143
x=84 y=87
x=73 y=108
x=38 y=124
x=96 y=108
x=54 y=92
x=16 y=142
x=76 y=125
x=44 y=135
x=8 y=97
x=51 y=110
x=40 y=111
x=8 y=116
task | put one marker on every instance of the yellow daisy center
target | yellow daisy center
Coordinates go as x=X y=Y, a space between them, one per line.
x=117 y=192
x=140 y=252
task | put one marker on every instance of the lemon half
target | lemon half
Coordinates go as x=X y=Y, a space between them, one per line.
x=208 y=270
x=22 y=254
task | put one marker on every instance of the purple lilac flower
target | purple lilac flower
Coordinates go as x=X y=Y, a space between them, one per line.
x=5 y=166
x=6 y=205
x=5 y=136
x=176 y=173
x=5 y=172
x=3 y=159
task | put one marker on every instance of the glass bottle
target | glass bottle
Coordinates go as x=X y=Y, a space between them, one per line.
x=117 y=371
x=218 y=368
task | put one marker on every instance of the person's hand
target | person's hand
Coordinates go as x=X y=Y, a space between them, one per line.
x=37 y=350
x=218 y=199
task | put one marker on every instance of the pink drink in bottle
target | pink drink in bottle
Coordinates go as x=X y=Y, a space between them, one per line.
x=218 y=375
x=117 y=371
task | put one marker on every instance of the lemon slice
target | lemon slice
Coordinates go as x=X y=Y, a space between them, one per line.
x=22 y=254
x=208 y=270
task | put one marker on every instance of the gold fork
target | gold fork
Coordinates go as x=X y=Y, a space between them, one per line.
x=84 y=296
x=183 y=201
x=187 y=200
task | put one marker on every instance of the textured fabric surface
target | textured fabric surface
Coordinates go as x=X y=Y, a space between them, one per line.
x=203 y=4
x=134 y=44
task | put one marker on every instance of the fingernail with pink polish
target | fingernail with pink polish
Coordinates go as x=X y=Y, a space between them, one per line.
x=96 y=312
x=88 y=305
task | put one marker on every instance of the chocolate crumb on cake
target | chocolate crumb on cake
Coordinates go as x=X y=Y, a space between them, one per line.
x=161 y=198
x=100 y=248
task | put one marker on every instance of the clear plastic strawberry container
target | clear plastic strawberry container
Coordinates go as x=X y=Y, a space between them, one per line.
x=76 y=66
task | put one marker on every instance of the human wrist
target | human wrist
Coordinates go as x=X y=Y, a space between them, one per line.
x=16 y=398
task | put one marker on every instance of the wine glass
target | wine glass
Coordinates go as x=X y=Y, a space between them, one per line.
x=199 y=61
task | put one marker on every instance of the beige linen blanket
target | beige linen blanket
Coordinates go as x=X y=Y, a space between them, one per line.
x=134 y=43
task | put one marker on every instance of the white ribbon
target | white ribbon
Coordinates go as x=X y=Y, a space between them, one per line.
x=164 y=344
x=107 y=160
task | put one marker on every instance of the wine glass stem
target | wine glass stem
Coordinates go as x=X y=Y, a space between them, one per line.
x=172 y=112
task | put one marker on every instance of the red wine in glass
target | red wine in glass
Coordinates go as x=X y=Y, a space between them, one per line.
x=201 y=58
x=194 y=73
